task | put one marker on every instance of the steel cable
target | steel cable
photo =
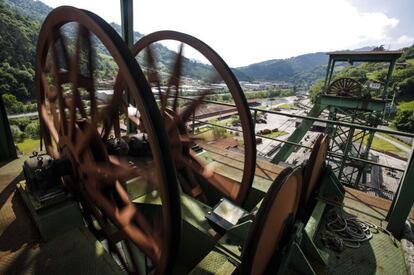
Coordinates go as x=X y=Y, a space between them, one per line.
x=351 y=231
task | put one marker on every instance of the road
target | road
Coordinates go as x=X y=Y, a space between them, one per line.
x=33 y=114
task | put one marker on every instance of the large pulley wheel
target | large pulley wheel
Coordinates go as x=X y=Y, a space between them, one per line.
x=263 y=249
x=346 y=86
x=190 y=168
x=73 y=115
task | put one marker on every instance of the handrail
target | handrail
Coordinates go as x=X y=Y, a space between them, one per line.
x=335 y=122
x=307 y=147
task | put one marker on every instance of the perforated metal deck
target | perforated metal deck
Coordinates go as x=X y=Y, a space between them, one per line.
x=22 y=251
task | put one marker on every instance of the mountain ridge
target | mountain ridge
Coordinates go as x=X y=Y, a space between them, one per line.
x=299 y=70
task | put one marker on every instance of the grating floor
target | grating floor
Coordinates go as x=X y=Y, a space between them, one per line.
x=22 y=252
x=381 y=255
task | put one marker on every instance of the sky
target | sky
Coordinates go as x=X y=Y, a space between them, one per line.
x=245 y=32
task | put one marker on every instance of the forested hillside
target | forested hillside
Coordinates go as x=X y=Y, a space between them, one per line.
x=302 y=69
x=18 y=37
x=20 y=22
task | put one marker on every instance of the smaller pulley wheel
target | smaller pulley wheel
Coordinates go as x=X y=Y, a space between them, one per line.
x=192 y=119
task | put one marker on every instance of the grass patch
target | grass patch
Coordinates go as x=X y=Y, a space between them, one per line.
x=410 y=61
x=209 y=135
x=276 y=134
x=406 y=106
x=384 y=146
x=286 y=106
x=395 y=140
x=28 y=146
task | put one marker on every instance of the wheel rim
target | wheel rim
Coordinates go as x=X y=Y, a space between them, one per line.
x=70 y=131
x=237 y=192
x=314 y=167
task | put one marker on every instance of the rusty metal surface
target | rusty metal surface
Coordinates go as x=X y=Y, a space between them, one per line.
x=77 y=133
x=314 y=167
x=274 y=219
x=186 y=162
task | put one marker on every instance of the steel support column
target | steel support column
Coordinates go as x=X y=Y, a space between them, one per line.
x=7 y=149
x=298 y=134
x=331 y=72
x=387 y=80
x=364 y=155
x=127 y=27
x=327 y=73
x=403 y=201
x=127 y=22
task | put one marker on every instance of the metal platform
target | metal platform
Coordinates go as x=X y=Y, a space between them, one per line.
x=22 y=251
x=381 y=255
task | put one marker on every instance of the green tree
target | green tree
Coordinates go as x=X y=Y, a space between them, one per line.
x=404 y=120
x=21 y=122
x=33 y=129
x=17 y=134
x=315 y=89
x=218 y=132
x=13 y=106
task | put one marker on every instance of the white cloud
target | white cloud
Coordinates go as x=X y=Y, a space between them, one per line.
x=243 y=32
x=404 y=41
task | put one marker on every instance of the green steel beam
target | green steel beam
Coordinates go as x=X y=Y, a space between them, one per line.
x=7 y=149
x=327 y=73
x=348 y=147
x=127 y=21
x=387 y=80
x=127 y=26
x=298 y=134
x=364 y=155
x=403 y=201
x=353 y=103
x=365 y=56
x=331 y=72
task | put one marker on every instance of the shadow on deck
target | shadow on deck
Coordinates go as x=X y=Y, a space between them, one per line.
x=380 y=255
x=23 y=252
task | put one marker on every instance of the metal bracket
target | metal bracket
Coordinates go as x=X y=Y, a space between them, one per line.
x=295 y=258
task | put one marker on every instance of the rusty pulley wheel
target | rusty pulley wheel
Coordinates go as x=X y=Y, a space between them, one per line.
x=73 y=116
x=274 y=221
x=347 y=87
x=190 y=168
x=315 y=167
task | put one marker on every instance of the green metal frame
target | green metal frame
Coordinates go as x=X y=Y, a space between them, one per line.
x=127 y=19
x=298 y=134
x=345 y=140
x=363 y=56
x=127 y=27
x=403 y=201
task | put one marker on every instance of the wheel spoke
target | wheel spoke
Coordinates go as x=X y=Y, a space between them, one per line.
x=50 y=127
x=176 y=77
x=55 y=38
x=74 y=73
x=225 y=185
x=188 y=111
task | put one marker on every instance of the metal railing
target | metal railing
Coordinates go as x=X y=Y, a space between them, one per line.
x=333 y=122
